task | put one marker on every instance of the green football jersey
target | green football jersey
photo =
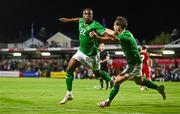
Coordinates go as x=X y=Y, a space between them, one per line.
x=88 y=45
x=130 y=48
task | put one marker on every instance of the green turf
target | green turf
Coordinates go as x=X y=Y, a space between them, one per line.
x=41 y=96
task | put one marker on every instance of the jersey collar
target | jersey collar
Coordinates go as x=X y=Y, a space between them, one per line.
x=123 y=31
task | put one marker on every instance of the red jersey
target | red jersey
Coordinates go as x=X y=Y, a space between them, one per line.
x=145 y=68
x=145 y=59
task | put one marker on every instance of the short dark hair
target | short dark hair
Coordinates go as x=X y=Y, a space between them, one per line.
x=88 y=9
x=143 y=47
x=121 y=21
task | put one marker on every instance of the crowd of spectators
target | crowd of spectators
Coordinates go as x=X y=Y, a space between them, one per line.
x=33 y=65
x=44 y=66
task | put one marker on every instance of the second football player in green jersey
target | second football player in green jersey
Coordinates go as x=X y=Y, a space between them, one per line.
x=133 y=67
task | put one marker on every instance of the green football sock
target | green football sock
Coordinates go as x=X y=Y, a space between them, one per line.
x=113 y=92
x=105 y=75
x=107 y=84
x=101 y=82
x=69 y=81
x=149 y=84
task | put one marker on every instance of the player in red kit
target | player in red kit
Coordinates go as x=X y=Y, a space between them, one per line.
x=146 y=63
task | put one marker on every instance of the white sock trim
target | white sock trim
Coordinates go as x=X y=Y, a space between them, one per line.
x=69 y=92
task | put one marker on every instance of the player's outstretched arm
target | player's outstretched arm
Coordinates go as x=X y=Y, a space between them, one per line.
x=104 y=38
x=109 y=31
x=69 y=19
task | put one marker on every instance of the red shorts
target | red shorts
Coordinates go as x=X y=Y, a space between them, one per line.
x=146 y=72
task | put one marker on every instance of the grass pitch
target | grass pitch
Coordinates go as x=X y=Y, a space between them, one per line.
x=42 y=95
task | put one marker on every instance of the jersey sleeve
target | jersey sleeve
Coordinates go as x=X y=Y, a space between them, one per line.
x=80 y=20
x=99 y=28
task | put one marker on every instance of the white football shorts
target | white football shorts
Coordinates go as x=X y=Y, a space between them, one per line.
x=92 y=62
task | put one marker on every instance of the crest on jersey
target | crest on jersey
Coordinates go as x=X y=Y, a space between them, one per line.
x=88 y=28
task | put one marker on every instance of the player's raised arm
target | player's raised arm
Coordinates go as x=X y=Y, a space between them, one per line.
x=69 y=19
x=105 y=38
x=109 y=31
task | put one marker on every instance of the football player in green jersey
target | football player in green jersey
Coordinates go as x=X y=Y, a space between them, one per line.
x=133 y=68
x=88 y=51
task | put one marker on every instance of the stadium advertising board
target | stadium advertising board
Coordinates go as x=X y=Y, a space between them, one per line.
x=30 y=74
x=9 y=74
x=58 y=74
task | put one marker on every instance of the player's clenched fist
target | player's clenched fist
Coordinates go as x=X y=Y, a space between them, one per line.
x=92 y=34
